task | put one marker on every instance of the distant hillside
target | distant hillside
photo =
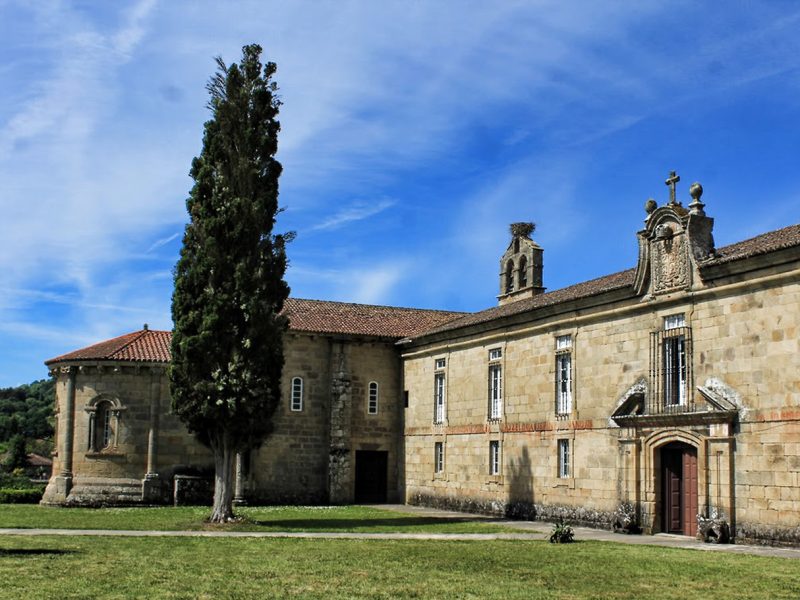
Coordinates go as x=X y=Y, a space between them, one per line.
x=28 y=410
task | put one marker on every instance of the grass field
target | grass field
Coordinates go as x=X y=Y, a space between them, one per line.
x=280 y=518
x=93 y=567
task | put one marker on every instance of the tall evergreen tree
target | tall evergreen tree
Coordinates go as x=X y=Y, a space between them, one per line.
x=227 y=348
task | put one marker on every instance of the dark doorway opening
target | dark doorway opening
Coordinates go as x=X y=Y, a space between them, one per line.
x=371 y=476
x=679 y=489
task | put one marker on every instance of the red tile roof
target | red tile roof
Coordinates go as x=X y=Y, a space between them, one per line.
x=761 y=244
x=313 y=316
x=318 y=316
x=144 y=345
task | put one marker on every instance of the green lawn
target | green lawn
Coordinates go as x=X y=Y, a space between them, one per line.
x=279 y=518
x=94 y=567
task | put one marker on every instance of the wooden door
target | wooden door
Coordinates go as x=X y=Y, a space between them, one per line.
x=689 y=460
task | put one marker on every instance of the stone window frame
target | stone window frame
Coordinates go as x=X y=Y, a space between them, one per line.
x=439 y=391
x=671 y=365
x=564 y=461
x=495 y=384
x=297 y=394
x=372 y=397
x=564 y=354
x=438 y=458
x=113 y=408
x=495 y=458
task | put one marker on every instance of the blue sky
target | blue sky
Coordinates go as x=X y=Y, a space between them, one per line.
x=413 y=133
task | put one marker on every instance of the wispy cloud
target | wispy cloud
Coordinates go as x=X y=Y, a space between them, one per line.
x=163 y=242
x=356 y=212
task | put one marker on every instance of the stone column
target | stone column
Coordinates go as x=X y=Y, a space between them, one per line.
x=339 y=460
x=60 y=484
x=151 y=485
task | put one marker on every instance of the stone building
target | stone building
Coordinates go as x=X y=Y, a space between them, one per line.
x=338 y=430
x=665 y=397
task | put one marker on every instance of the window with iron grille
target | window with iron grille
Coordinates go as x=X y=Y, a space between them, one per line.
x=438 y=457
x=564 y=375
x=438 y=397
x=671 y=366
x=297 y=394
x=494 y=458
x=495 y=391
x=372 y=401
x=563 y=459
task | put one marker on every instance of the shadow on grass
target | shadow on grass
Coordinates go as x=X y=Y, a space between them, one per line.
x=358 y=523
x=32 y=551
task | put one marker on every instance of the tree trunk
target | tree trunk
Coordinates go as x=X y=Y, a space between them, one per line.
x=224 y=472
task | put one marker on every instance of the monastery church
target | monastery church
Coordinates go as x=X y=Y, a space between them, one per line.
x=664 y=398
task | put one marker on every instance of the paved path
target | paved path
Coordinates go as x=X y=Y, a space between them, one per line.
x=528 y=530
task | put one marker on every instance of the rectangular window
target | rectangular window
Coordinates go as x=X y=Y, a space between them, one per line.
x=494 y=458
x=564 y=375
x=372 y=401
x=297 y=394
x=439 y=363
x=563 y=459
x=438 y=397
x=438 y=457
x=671 y=366
x=495 y=354
x=495 y=391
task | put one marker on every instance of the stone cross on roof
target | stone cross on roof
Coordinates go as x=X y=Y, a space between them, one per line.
x=672 y=181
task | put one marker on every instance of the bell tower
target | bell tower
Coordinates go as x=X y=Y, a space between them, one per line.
x=521 y=265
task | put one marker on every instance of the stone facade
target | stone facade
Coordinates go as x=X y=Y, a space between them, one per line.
x=662 y=398
x=694 y=355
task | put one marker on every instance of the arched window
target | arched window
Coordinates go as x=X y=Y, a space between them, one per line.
x=103 y=431
x=523 y=272
x=104 y=417
x=297 y=394
x=372 y=400
x=509 y=276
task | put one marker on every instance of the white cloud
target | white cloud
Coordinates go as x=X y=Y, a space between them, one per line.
x=356 y=212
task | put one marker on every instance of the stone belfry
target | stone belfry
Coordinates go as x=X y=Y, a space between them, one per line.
x=521 y=265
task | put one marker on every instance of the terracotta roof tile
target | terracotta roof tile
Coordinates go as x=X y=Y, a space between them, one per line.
x=313 y=316
x=580 y=290
x=144 y=345
x=761 y=244
x=318 y=316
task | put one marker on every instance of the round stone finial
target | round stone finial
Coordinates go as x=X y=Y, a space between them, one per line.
x=695 y=191
x=650 y=206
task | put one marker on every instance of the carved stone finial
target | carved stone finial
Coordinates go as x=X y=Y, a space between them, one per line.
x=672 y=181
x=145 y=327
x=523 y=229
x=696 y=191
x=650 y=206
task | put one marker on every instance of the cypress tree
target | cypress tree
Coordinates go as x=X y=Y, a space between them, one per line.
x=227 y=344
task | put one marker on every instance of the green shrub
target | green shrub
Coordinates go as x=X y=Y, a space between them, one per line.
x=562 y=533
x=31 y=495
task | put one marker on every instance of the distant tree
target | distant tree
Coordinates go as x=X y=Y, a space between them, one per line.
x=17 y=456
x=227 y=345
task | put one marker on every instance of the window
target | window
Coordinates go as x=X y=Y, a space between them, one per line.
x=297 y=394
x=494 y=458
x=563 y=459
x=495 y=384
x=438 y=457
x=564 y=375
x=104 y=433
x=372 y=400
x=439 y=364
x=438 y=397
x=671 y=364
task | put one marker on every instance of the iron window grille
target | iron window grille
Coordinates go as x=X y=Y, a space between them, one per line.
x=563 y=383
x=438 y=457
x=438 y=397
x=671 y=369
x=563 y=459
x=495 y=391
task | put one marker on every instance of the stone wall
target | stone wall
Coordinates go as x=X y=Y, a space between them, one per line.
x=744 y=336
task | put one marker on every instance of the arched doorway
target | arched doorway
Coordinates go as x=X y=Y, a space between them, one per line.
x=678 y=480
